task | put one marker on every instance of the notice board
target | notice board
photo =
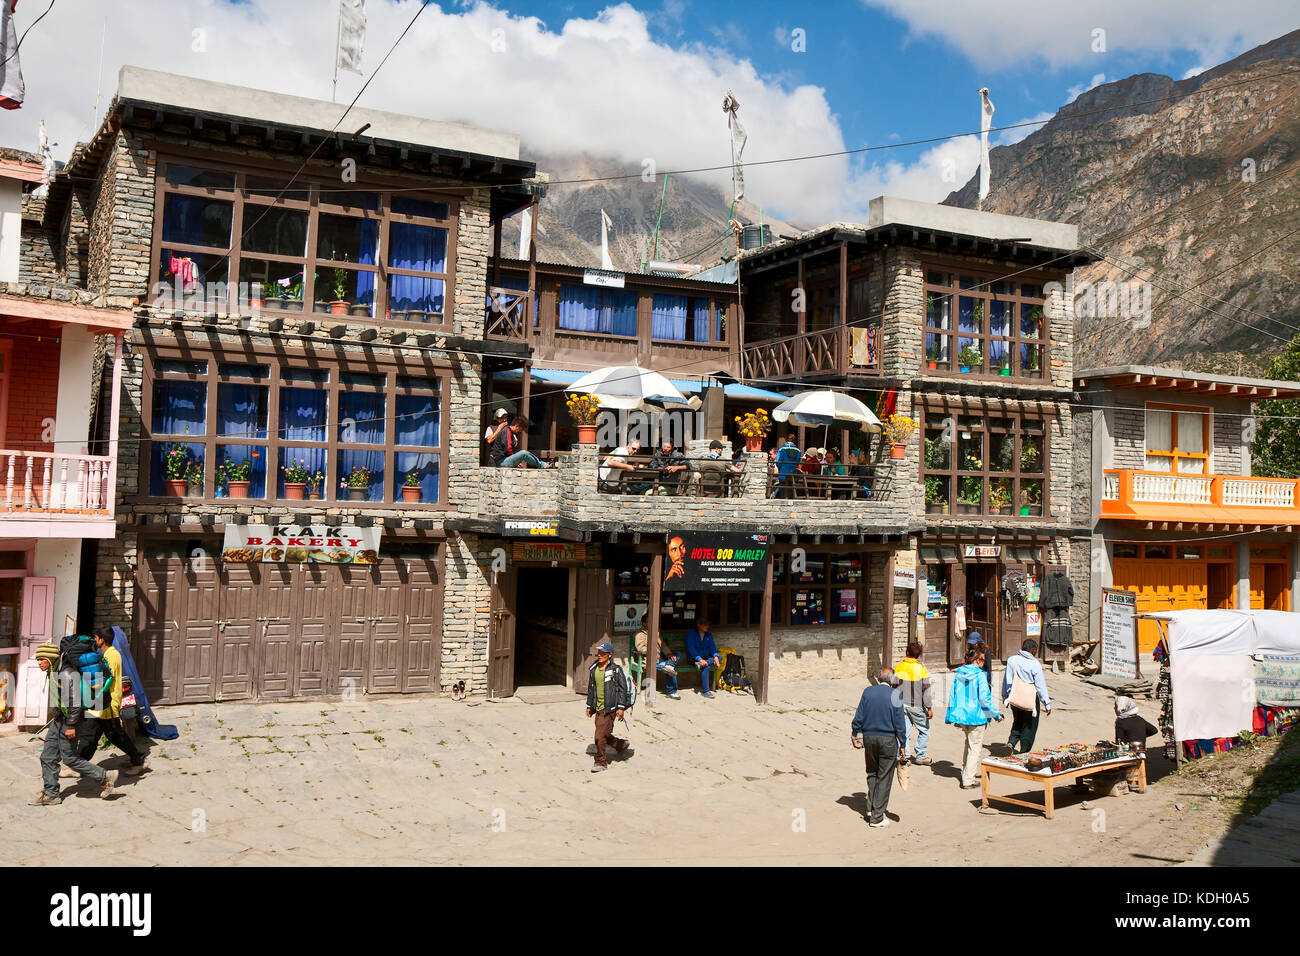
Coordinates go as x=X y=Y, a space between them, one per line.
x=1119 y=655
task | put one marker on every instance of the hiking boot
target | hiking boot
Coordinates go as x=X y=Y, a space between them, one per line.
x=921 y=761
x=110 y=779
x=45 y=801
x=136 y=769
x=597 y=767
x=66 y=771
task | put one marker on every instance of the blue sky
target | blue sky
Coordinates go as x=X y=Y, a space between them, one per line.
x=642 y=83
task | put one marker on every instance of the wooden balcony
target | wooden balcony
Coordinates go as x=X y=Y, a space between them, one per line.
x=1214 y=502
x=51 y=495
x=832 y=352
x=509 y=314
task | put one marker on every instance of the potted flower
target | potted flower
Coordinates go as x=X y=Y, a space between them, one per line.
x=194 y=477
x=1000 y=498
x=339 y=304
x=1028 y=457
x=176 y=462
x=1005 y=368
x=585 y=409
x=899 y=430
x=1031 y=495
x=357 y=483
x=411 y=486
x=934 y=494
x=969 y=357
x=932 y=357
x=314 y=481
x=295 y=479
x=754 y=426
x=970 y=494
x=237 y=475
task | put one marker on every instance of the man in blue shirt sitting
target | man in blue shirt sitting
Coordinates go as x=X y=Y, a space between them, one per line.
x=701 y=649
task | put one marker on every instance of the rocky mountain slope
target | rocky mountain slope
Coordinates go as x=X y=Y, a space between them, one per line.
x=1200 y=193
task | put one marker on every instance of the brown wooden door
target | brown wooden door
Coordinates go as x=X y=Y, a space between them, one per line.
x=199 y=664
x=982 y=605
x=593 y=619
x=352 y=629
x=501 y=641
x=956 y=638
x=277 y=624
x=1012 y=619
x=422 y=640
x=238 y=631
x=157 y=640
x=314 y=662
x=387 y=621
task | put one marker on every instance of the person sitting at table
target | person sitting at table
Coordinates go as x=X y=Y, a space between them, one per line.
x=713 y=464
x=837 y=470
x=667 y=662
x=859 y=467
x=672 y=467
x=703 y=651
x=812 y=461
x=617 y=461
x=787 y=462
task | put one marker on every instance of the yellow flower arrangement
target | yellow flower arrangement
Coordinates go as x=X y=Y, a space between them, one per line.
x=585 y=409
x=899 y=429
x=754 y=424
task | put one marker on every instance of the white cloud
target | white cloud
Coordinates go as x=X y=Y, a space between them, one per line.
x=1001 y=34
x=1076 y=91
x=1018 y=131
x=941 y=169
x=600 y=86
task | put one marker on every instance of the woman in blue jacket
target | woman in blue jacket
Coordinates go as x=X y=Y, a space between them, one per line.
x=970 y=708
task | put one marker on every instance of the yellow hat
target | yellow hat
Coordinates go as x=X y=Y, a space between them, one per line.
x=47 y=651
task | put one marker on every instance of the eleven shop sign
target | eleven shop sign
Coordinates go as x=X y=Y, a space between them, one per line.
x=299 y=544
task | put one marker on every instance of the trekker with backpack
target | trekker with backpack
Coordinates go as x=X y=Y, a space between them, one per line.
x=609 y=694
x=107 y=722
x=70 y=691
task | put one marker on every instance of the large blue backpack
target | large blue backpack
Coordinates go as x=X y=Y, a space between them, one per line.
x=79 y=652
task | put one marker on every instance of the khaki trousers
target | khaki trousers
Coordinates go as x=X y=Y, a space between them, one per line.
x=972 y=753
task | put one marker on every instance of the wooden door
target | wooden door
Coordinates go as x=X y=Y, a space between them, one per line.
x=422 y=638
x=1161 y=585
x=956 y=638
x=1012 y=624
x=276 y=630
x=314 y=663
x=238 y=630
x=387 y=622
x=156 y=639
x=352 y=629
x=501 y=640
x=982 y=601
x=592 y=617
x=199 y=663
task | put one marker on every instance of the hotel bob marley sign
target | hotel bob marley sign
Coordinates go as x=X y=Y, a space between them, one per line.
x=717 y=561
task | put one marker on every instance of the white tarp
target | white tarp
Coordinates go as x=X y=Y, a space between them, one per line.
x=1214 y=695
x=1210 y=632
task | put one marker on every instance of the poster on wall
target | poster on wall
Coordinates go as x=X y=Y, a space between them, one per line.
x=627 y=617
x=300 y=544
x=1033 y=624
x=904 y=578
x=717 y=561
x=1119 y=656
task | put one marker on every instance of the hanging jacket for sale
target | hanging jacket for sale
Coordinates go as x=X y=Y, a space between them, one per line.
x=1057 y=591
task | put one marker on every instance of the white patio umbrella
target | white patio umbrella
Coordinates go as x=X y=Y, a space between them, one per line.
x=827 y=407
x=631 y=387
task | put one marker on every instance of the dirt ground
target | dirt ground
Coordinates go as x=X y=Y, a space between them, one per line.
x=430 y=780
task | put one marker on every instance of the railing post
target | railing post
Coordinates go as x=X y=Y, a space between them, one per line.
x=48 y=483
x=1126 y=487
x=9 y=484
x=1216 y=490
x=27 y=483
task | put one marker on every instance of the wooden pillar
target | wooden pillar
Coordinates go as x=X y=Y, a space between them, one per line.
x=496 y=255
x=843 y=332
x=887 y=656
x=765 y=635
x=523 y=402
x=799 y=350
x=652 y=623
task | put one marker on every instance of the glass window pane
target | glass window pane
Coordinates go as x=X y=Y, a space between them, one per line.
x=1031 y=321
x=313 y=460
x=197 y=220
x=353 y=287
x=305 y=376
x=242 y=410
x=180 y=408
x=814 y=571
x=1031 y=497
x=280 y=283
x=274 y=229
x=423 y=248
x=171 y=461
x=361 y=418
x=352 y=199
x=361 y=469
x=194 y=277
x=1031 y=454
x=424 y=467
x=276 y=187
x=419 y=207
x=938 y=308
x=807 y=607
x=202 y=178
x=181 y=367
x=417 y=420
x=415 y=299
x=363 y=379
x=1004 y=445
x=241 y=463
x=242 y=370
x=844 y=606
x=303 y=414
x=347 y=239
x=846 y=570
x=938 y=494
x=417 y=383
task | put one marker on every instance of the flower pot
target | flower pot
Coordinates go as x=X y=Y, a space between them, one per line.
x=964 y=368
x=1024 y=511
x=1002 y=511
x=358 y=494
x=196 y=491
x=313 y=496
x=967 y=509
x=936 y=507
x=411 y=492
x=753 y=443
x=586 y=434
x=897 y=451
x=293 y=490
x=256 y=305
x=359 y=308
x=1004 y=371
x=932 y=365
x=338 y=307
x=237 y=489
x=176 y=487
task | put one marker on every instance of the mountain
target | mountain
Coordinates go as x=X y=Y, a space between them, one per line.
x=1198 y=192
x=568 y=229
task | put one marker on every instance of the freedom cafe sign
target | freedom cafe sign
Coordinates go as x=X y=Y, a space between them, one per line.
x=300 y=544
x=717 y=561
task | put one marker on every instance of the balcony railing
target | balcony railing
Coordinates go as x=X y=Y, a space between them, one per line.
x=56 y=484
x=509 y=314
x=836 y=351
x=1128 y=493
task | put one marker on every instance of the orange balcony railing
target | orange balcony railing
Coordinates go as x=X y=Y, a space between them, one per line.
x=1132 y=494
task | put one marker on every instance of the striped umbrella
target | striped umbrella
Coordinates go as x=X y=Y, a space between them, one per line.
x=631 y=387
x=826 y=407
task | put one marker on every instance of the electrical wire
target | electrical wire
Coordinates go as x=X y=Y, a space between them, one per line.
x=19 y=45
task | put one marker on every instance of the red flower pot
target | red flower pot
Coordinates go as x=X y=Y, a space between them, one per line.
x=237 y=489
x=411 y=493
x=897 y=451
x=753 y=443
x=338 y=307
x=176 y=487
x=293 y=490
x=586 y=434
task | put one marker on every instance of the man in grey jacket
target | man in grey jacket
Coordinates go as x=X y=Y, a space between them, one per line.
x=880 y=729
x=1026 y=667
x=68 y=707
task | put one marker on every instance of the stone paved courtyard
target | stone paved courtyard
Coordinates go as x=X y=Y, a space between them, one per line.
x=429 y=780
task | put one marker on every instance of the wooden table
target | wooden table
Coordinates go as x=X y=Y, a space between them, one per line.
x=1049 y=780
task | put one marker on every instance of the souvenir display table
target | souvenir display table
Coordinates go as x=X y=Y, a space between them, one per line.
x=1057 y=766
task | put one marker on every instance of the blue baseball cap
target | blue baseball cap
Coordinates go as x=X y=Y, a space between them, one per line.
x=975 y=638
x=605 y=647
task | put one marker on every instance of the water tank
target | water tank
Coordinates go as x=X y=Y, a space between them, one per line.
x=753 y=236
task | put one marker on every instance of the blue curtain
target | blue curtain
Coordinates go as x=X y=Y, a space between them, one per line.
x=426 y=466
x=579 y=308
x=415 y=294
x=422 y=248
x=701 y=315
x=618 y=312
x=179 y=408
x=966 y=315
x=197 y=221
x=366 y=412
x=669 y=317
x=241 y=410
x=313 y=459
x=355 y=458
x=417 y=420
x=303 y=414
x=256 y=456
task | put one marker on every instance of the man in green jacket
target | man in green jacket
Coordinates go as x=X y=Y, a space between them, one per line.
x=68 y=705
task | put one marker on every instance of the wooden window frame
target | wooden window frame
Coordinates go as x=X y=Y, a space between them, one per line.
x=316 y=204
x=1174 y=455
x=278 y=361
x=783 y=587
x=984 y=297
x=987 y=475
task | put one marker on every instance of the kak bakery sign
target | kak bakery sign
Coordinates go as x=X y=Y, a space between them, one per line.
x=717 y=561
x=299 y=544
